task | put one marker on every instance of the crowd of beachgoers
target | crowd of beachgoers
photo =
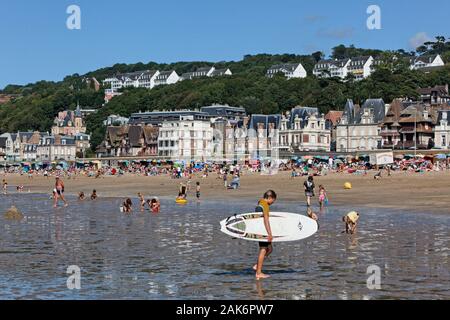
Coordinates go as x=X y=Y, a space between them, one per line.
x=304 y=166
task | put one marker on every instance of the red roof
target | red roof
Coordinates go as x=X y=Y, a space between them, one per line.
x=334 y=116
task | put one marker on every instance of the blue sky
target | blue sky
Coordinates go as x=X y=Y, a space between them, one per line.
x=36 y=45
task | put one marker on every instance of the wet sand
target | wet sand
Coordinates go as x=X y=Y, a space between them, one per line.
x=424 y=192
x=181 y=254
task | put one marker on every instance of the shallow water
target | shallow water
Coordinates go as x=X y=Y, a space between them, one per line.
x=181 y=254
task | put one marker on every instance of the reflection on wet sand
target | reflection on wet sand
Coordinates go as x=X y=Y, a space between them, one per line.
x=181 y=253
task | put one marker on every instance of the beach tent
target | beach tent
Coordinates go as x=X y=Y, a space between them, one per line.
x=63 y=165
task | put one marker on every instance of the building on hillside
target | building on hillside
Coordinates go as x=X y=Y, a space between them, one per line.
x=188 y=138
x=442 y=130
x=435 y=95
x=426 y=62
x=289 y=70
x=332 y=68
x=332 y=119
x=206 y=72
x=359 y=129
x=166 y=77
x=304 y=129
x=137 y=79
x=361 y=67
x=221 y=72
x=199 y=73
x=115 y=120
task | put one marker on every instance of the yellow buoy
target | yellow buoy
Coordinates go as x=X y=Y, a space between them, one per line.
x=347 y=186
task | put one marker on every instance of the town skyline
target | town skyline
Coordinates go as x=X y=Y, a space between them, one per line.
x=303 y=29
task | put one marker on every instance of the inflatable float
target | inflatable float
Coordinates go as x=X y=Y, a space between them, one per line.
x=181 y=201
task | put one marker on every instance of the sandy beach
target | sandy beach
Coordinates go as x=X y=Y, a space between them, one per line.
x=426 y=192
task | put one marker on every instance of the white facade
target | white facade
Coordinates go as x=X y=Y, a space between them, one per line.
x=186 y=139
x=304 y=133
x=427 y=61
x=290 y=70
x=167 y=77
x=351 y=138
x=332 y=68
x=442 y=131
x=361 y=67
x=140 y=79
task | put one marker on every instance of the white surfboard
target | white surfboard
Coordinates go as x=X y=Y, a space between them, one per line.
x=285 y=227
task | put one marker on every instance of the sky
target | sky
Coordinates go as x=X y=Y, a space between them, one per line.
x=37 y=45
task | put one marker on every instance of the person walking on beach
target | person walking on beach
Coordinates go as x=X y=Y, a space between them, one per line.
x=309 y=190
x=5 y=186
x=59 y=187
x=265 y=248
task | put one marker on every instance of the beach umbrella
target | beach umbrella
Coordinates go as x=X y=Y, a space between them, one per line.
x=440 y=156
x=338 y=161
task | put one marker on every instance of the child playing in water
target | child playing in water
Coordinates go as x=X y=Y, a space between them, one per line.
x=311 y=214
x=351 y=221
x=155 y=205
x=126 y=206
x=142 y=201
x=5 y=186
x=94 y=195
x=197 y=191
x=81 y=196
x=322 y=196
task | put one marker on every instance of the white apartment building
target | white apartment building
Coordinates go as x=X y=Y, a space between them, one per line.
x=166 y=77
x=427 y=61
x=332 y=68
x=442 y=130
x=361 y=67
x=304 y=129
x=138 y=79
x=289 y=70
x=187 y=138
x=359 y=129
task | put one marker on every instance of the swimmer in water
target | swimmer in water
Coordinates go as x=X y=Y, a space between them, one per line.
x=155 y=205
x=127 y=206
x=81 y=196
x=94 y=195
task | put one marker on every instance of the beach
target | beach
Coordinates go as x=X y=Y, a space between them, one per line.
x=423 y=192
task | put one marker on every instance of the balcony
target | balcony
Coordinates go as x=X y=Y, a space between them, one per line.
x=389 y=132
